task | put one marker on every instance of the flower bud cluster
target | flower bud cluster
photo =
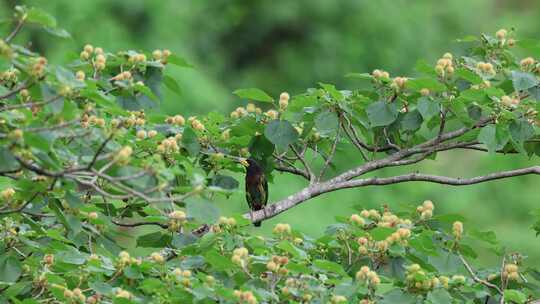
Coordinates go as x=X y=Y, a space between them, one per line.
x=511 y=272
x=445 y=65
x=368 y=277
x=277 y=263
x=282 y=229
x=284 y=101
x=426 y=210
x=245 y=297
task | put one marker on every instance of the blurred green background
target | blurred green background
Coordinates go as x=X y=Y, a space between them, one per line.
x=284 y=45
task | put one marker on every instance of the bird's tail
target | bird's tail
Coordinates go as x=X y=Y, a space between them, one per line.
x=257 y=224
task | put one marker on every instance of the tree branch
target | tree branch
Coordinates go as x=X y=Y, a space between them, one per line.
x=333 y=185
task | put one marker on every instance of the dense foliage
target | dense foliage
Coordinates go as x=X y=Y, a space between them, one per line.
x=82 y=156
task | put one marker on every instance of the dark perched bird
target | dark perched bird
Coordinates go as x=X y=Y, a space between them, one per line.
x=256 y=187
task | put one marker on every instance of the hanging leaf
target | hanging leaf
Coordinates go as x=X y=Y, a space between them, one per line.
x=281 y=133
x=253 y=94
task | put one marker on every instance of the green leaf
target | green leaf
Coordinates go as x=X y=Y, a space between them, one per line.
x=190 y=141
x=10 y=268
x=281 y=133
x=66 y=77
x=469 y=76
x=381 y=233
x=487 y=236
x=202 y=210
x=411 y=121
x=494 y=137
x=178 y=61
x=521 y=130
x=425 y=83
x=7 y=160
x=397 y=296
x=381 y=113
x=171 y=84
x=224 y=182
x=36 y=141
x=329 y=266
x=514 y=296
x=154 y=240
x=363 y=76
x=428 y=108
x=523 y=80
x=439 y=296
x=326 y=123
x=36 y=15
x=218 y=261
x=253 y=94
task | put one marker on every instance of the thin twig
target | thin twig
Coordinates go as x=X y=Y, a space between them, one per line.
x=475 y=277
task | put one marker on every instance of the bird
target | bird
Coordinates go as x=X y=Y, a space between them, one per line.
x=256 y=187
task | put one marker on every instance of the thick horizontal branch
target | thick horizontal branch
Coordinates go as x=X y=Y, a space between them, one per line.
x=325 y=187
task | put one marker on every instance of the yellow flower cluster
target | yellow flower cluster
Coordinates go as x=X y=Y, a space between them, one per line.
x=157 y=257
x=75 y=294
x=527 y=63
x=168 y=145
x=486 y=68
x=276 y=264
x=161 y=55
x=38 y=67
x=176 y=120
x=245 y=297
x=418 y=279
x=9 y=75
x=121 y=293
x=510 y=102
x=284 y=100
x=100 y=61
x=338 y=299
x=227 y=221
x=125 y=259
x=368 y=276
x=457 y=230
x=240 y=256
x=282 y=229
x=380 y=74
x=398 y=83
x=272 y=114
x=123 y=155
x=511 y=272
x=7 y=193
x=445 y=66
x=426 y=210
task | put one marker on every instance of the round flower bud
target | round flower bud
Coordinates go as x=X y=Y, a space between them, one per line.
x=457 y=229
x=16 y=134
x=458 y=279
x=7 y=193
x=511 y=42
x=250 y=108
x=157 y=257
x=99 y=51
x=80 y=75
x=93 y=215
x=152 y=133
x=272 y=266
x=48 y=259
x=448 y=56
x=428 y=205
x=68 y=293
x=157 y=54
x=84 y=56
x=88 y=48
x=356 y=219
x=177 y=215
x=501 y=34
x=272 y=114
x=120 y=293
x=424 y=92
x=141 y=134
x=241 y=252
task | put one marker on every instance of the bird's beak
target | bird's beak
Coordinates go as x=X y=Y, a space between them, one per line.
x=244 y=162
